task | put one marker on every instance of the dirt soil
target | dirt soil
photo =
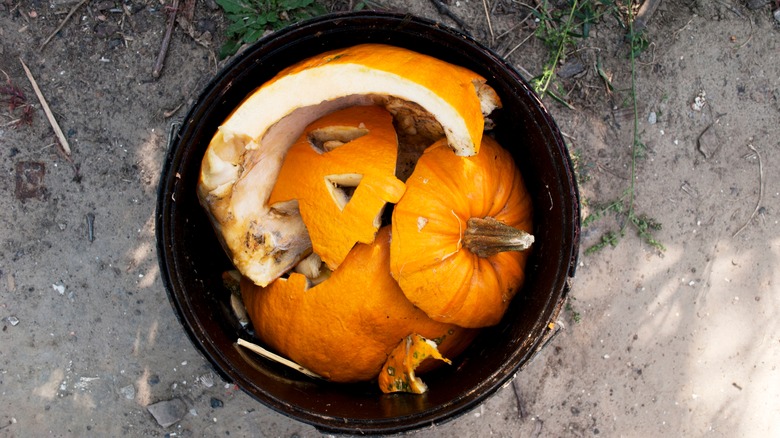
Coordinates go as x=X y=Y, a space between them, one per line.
x=681 y=342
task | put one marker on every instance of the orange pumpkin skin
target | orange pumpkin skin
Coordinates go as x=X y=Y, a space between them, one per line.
x=428 y=258
x=345 y=327
x=306 y=172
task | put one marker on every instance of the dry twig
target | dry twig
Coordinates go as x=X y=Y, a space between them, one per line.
x=62 y=23
x=645 y=12
x=166 y=42
x=760 y=190
x=518 y=45
x=275 y=357
x=444 y=10
x=49 y=115
x=490 y=25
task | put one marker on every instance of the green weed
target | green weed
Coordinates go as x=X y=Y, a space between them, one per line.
x=581 y=168
x=624 y=207
x=559 y=29
x=250 y=19
x=575 y=315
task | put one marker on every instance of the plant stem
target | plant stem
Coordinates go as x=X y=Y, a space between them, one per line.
x=634 y=137
x=561 y=44
x=487 y=237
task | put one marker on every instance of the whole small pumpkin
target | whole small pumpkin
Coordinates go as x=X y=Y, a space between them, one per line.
x=459 y=234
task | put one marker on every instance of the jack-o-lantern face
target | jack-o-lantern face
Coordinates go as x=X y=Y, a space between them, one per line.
x=342 y=173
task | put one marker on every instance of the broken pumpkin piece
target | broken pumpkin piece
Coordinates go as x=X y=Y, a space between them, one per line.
x=344 y=328
x=461 y=234
x=243 y=158
x=398 y=372
x=341 y=171
x=458 y=98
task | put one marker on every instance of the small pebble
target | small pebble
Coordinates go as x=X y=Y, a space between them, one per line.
x=216 y=403
x=128 y=391
x=168 y=412
x=652 y=118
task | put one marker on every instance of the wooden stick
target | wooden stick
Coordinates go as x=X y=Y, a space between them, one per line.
x=166 y=42
x=490 y=25
x=645 y=12
x=62 y=24
x=275 y=357
x=444 y=10
x=47 y=110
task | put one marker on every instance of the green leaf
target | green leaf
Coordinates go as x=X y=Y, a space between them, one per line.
x=288 y=5
x=238 y=28
x=233 y=6
x=229 y=49
x=253 y=36
x=248 y=20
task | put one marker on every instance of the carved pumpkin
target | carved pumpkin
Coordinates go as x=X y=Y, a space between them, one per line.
x=243 y=158
x=345 y=327
x=342 y=172
x=459 y=233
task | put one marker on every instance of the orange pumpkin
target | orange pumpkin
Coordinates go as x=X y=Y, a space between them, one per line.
x=459 y=232
x=345 y=327
x=342 y=173
x=429 y=97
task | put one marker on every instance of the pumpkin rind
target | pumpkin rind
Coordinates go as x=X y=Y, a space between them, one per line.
x=398 y=373
x=344 y=328
x=428 y=258
x=305 y=174
x=243 y=158
x=458 y=97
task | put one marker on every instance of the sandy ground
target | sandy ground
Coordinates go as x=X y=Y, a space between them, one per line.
x=684 y=342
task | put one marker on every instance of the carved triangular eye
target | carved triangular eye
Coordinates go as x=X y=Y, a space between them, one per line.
x=342 y=187
x=342 y=172
x=329 y=138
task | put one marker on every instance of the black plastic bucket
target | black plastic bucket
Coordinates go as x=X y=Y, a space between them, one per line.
x=192 y=261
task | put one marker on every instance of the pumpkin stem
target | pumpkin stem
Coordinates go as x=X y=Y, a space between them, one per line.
x=487 y=237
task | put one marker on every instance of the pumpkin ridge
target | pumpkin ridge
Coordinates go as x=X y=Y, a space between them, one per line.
x=472 y=288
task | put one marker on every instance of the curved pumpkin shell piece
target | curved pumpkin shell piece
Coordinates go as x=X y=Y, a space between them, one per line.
x=243 y=158
x=398 y=373
x=344 y=328
x=428 y=257
x=458 y=98
x=342 y=173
